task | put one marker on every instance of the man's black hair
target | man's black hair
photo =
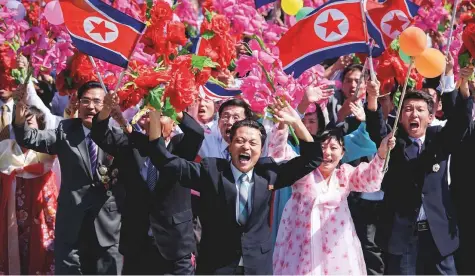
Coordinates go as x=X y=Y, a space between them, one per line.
x=87 y=86
x=237 y=102
x=351 y=68
x=251 y=124
x=419 y=95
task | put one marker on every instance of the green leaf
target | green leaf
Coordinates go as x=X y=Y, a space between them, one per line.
x=200 y=62
x=69 y=81
x=441 y=27
x=464 y=60
x=192 y=31
x=232 y=65
x=356 y=60
x=215 y=81
x=176 y=5
x=411 y=83
x=154 y=97
x=395 y=45
x=208 y=15
x=168 y=110
x=396 y=97
x=183 y=51
x=208 y=35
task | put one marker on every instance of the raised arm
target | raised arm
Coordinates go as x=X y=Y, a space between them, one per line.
x=458 y=121
x=188 y=144
x=44 y=141
x=311 y=152
x=187 y=173
x=367 y=177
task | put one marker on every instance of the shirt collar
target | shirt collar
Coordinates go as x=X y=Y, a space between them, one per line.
x=237 y=173
x=10 y=104
x=422 y=138
x=86 y=130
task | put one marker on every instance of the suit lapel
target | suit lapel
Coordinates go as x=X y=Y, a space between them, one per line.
x=140 y=162
x=78 y=139
x=229 y=186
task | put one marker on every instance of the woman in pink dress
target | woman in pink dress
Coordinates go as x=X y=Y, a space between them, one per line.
x=316 y=234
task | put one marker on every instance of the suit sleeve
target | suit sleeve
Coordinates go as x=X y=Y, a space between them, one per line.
x=375 y=125
x=458 y=123
x=113 y=141
x=45 y=141
x=188 y=144
x=291 y=171
x=187 y=173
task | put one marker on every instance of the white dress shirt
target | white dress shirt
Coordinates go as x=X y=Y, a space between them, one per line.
x=32 y=99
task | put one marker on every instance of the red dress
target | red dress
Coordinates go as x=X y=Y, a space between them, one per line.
x=28 y=212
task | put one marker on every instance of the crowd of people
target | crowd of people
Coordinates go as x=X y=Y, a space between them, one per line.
x=85 y=189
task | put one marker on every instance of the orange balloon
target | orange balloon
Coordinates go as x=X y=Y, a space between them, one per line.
x=431 y=63
x=413 y=41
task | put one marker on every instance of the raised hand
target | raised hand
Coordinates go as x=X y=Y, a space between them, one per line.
x=284 y=113
x=111 y=100
x=155 y=129
x=358 y=111
x=22 y=62
x=315 y=94
x=21 y=109
x=387 y=144
x=19 y=95
x=372 y=88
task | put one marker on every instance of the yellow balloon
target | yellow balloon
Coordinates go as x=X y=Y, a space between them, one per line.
x=291 y=7
x=431 y=63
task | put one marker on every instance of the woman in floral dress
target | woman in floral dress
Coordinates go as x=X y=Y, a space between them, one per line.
x=316 y=234
x=28 y=195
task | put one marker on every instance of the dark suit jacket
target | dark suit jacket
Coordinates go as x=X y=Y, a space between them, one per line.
x=410 y=183
x=223 y=240
x=81 y=191
x=168 y=209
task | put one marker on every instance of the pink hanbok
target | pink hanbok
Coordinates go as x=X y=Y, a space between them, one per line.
x=316 y=233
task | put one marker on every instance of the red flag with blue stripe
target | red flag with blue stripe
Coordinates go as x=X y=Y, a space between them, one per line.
x=386 y=20
x=331 y=30
x=101 y=31
x=215 y=92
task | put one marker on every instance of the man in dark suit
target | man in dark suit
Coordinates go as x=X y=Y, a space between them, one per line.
x=157 y=229
x=89 y=202
x=235 y=196
x=421 y=233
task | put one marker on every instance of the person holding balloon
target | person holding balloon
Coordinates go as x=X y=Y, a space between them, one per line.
x=420 y=228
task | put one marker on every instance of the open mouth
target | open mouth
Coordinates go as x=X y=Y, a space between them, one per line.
x=327 y=161
x=201 y=111
x=228 y=131
x=413 y=125
x=244 y=158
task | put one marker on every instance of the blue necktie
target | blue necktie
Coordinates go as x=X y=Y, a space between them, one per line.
x=151 y=175
x=414 y=149
x=243 y=196
x=92 y=148
x=226 y=154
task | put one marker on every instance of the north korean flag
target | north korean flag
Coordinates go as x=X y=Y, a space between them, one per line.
x=215 y=92
x=101 y=31
x=386 y=20
x=260 y=3
x=332 y=30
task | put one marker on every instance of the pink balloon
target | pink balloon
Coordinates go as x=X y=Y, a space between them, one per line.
x=53 y=13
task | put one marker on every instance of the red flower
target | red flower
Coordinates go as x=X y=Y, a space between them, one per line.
x=152 y=79
x=176 y=33
x=161 y=13
x=203 y=76
x=220 y=25
x=207 y=5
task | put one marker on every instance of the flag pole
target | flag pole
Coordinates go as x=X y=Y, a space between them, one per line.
x=368 y=41
x=396 y=121
x=449 y=42
x=98 y=73
x=360 y=81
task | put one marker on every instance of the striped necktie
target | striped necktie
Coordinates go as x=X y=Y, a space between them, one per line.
x=151 y=175
x=92 y=148
x=227 y=155
x=243 y=196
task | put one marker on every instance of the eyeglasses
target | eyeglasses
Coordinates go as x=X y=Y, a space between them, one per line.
x=87 y=102
x=228 y=117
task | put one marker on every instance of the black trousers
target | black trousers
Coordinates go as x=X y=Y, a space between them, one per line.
x=367 y=219
x=149 y=261
x=87 y=256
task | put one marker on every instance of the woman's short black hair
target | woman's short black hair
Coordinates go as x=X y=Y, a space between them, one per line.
x=87 y=86
x=320 y=118
x=251 y=124
x=334 y=133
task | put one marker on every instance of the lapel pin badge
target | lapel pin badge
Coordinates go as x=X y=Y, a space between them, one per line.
x=102 y=170
x=115 y=172
x=109 y=193
x=436 y=168
x=270 y=187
